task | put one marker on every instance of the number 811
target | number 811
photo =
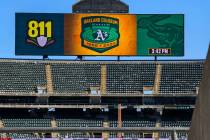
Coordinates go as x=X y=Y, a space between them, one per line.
x=41 y=28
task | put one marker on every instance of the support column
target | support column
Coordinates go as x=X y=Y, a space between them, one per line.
x=119 y=124
x=2 y=126
x=49 y=79
x=105 y=135
x=175 y=135
x=103 y=79
x=53 y=125
x=156 y=135
x=157 y=79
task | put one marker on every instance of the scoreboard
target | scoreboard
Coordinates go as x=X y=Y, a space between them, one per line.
x=99 y=34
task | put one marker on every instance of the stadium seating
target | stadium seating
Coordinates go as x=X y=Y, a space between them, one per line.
x=175 y=123
x=113 y=135
x=180 y=77
x=79 y=123
x=26 y=122
x=79 y=77
x=127 y=135
x=75 y=78
x=121 y=78
x=133 y=135
x=21 y=77
x=134 y=123
x=74 y=135
x=165 y=135
x=128 y=78
x=1 y=135
x=182 y=134
x=21 y=135
x=147 y=123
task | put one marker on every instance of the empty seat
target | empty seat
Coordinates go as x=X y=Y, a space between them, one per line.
x=181 y=78
x=26 y=122
x=75 y=77
x=79 y=123
x=134 y=123
x=74 y=135
x=127 y=78
x=21 y=76
x=175 y=123
x=22 y=135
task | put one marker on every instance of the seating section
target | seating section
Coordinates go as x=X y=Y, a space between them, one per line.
x=80 y=77
x=139 y=123
x=127 y=135
x=165 y=135
x=21 y=76
x=180 y=135
x=129 y=78
x=133 y=135
x=75 y=78
x=175 y=123
x=21 y=135
x=113 y=135
x=26 y=122
x=79 y=123
x=89 y=123
x=136 y=123
x=121 y=78
x=2 y=135
x=181 y=78
x=74 y=135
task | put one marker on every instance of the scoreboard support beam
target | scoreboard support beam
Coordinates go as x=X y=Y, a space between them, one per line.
x=45 y=57
x=119 y=123
x=80 y=57
x=118 y=58
x=155 y=58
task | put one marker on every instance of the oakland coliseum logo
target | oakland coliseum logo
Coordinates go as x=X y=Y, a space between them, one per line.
x=100 y=33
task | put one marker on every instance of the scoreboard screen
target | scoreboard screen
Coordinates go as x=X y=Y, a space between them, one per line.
x=99 y=34
x=161 y=35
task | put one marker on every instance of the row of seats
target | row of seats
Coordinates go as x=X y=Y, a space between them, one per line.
x=175 y=123
x=121 y=78
x=181 y=78
x=26 y=122
x=127 y=135
x=75 y=78
x=134 y=123
x=22 y=135
x=21 y=77
x=179 y=135
x=79 y=123
x=129 y=78
x=89 y=123
x=74 y=135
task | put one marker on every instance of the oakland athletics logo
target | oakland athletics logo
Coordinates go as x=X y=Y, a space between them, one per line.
x=100 y=33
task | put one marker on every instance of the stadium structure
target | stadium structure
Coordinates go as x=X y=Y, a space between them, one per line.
x=66 y=99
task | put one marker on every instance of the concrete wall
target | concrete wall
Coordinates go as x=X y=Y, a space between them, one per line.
x=200 y=129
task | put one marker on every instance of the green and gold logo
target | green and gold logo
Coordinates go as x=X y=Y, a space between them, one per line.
x=100 y=33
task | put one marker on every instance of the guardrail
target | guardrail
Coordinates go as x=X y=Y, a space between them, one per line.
x=91 y=129
x=81 y=106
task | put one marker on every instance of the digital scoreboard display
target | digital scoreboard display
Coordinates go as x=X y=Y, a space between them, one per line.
x=99 y=34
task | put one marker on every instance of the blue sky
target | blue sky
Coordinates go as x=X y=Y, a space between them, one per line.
x=197 y=22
